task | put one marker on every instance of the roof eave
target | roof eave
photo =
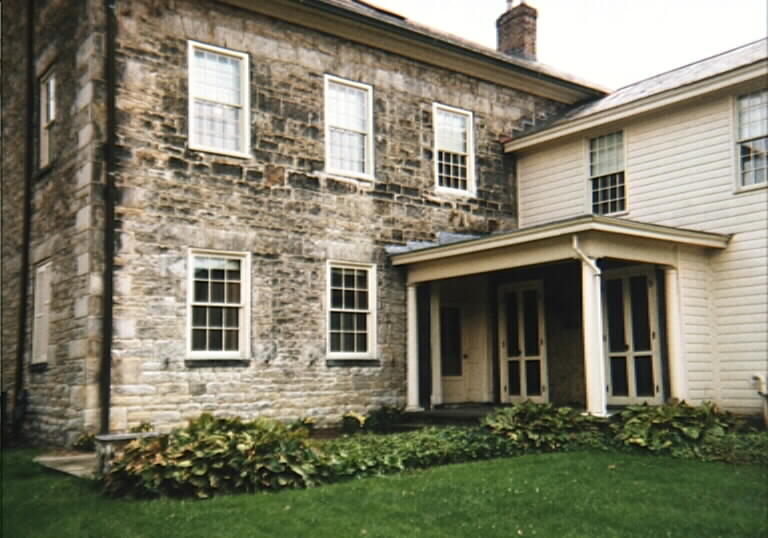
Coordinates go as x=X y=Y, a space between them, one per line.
x=641 y=106
x=407 y=40
x=588 y=223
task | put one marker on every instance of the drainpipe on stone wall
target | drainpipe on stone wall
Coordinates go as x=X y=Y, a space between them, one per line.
x=19 y=394
x=105 y=371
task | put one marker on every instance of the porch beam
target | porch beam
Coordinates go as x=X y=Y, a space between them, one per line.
x=678 y=380
x=412 y=403
x=434 y=332
x=592 y=327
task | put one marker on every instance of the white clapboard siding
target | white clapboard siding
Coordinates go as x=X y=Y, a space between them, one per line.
x=681 y=170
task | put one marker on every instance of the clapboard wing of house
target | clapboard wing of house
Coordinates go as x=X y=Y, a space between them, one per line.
x=295 y=208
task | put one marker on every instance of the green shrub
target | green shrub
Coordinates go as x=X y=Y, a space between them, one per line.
x=215 y=455
x=742 y=448
x=676 y=429
x=383 y=419
x=85 y=442
x=142 y=427
x=533 y=426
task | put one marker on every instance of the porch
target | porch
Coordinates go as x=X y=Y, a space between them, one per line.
x=584 y=312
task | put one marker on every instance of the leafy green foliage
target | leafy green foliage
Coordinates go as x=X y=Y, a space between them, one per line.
x=383 y=419
x=85 y=442
x=142 y=427
x=533 y=426
x=677 y=429
x=214 y=455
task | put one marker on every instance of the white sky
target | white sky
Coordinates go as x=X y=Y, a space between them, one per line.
x=609 y=42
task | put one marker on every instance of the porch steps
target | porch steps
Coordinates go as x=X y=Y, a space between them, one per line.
x=459 y=415
x=81 y=465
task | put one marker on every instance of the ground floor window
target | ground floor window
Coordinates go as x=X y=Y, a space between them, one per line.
x=218 y=305
x=351 y=310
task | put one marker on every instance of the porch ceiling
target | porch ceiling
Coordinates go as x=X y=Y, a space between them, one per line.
x=599 y=237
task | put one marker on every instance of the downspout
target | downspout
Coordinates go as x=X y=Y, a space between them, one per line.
x=586 y=259
x=19 y=395
x=105 y=371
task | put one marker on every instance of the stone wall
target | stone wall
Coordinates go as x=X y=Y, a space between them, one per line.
x=61 y=393
x=280 y=207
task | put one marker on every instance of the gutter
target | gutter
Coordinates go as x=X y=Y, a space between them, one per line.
x=586 y=259
x=19 y=394
x=105 y=370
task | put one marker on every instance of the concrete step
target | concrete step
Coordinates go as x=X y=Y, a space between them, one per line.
x=79 y=464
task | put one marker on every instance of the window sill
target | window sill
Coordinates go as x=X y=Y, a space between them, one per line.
x=352 y=363
x=208 y=362
x=38 y=367
x=360 y=179
x=217 y=151
x=751 y=188
x=612 y=215
x=454 y=193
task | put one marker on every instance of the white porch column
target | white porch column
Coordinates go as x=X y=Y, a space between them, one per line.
x=412 y=403
x=678 y=379
x=592 y=327
x=434 y=334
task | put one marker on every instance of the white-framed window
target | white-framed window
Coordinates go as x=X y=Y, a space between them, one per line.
x=454 y=149
x=348 y=128
x=47 y=117
x=752 y=138
x=42 y=314
x=218 y=305
x=219 y=100
x=606 y=174
x=351 y=310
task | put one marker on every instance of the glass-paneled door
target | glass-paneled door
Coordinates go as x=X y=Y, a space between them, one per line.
x=522 y=345
x=633 y=366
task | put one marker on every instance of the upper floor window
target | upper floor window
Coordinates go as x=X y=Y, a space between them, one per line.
x=218 y=305
x=606 y=174
x=351 y=310
x=47 y=117
x=753 y=138
x=348 y=128
x=454 y=148
x=218 y=100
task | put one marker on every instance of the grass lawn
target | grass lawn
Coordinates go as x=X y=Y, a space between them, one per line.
x=586 y=494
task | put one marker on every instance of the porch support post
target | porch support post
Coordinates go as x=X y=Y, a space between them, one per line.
x=434 y=333
x=594 y=353
x=677 y=371
x=412 y=403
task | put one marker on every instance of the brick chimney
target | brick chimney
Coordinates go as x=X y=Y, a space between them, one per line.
x=516 y=30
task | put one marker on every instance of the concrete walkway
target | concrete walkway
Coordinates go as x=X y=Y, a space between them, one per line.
x=79 y=464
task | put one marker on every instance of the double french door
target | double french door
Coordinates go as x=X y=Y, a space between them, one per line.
x=522 y=346
x=631 y=337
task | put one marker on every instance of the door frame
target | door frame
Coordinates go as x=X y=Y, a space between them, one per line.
x=519 y=288
x=630 y=353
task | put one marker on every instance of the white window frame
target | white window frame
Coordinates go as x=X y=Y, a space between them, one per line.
x=368 y=174
x=245 y=106
x=372 y=323
x=41 y=328
x=47 y=116
x=622 y=170
x=244 y=344
x=470 y=118
x=738 y=141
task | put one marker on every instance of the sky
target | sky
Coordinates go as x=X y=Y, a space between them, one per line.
x=608 y=42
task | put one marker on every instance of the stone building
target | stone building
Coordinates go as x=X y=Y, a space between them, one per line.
x=223 y=207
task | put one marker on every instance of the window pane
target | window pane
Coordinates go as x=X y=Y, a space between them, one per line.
x=217 y=77
x=362 y=300
x=217 y=292
x=347 y=322
x=198 y=340
x=347 y=107
x=362 y=343
x=215 y=317
x=335 y=342
x=451 y=131
x=347 y=150
x=349 y=279
x=199 y=316
x=231 y=317
x=217 y=274
x=335 y=321
x=336 y=278
x=201 y=292
x=233 y=292
x=531 y=322
x=216 y=125
x=362 y=322
x=348 y=342
x=619 y=382
x=513 y=340
x=615 y=301
x=644 y=376
x=641 y=329
x=362 y=280
x=533 y=378
x=215 y=340
x=349 y=299
x=336 y=299
x=231 y=342
x=514 y=378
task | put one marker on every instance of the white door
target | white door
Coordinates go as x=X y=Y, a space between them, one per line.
x=463 y=359
x=633 y=365
x=522 y=345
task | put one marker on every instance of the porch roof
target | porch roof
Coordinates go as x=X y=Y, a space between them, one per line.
x=599 y=237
